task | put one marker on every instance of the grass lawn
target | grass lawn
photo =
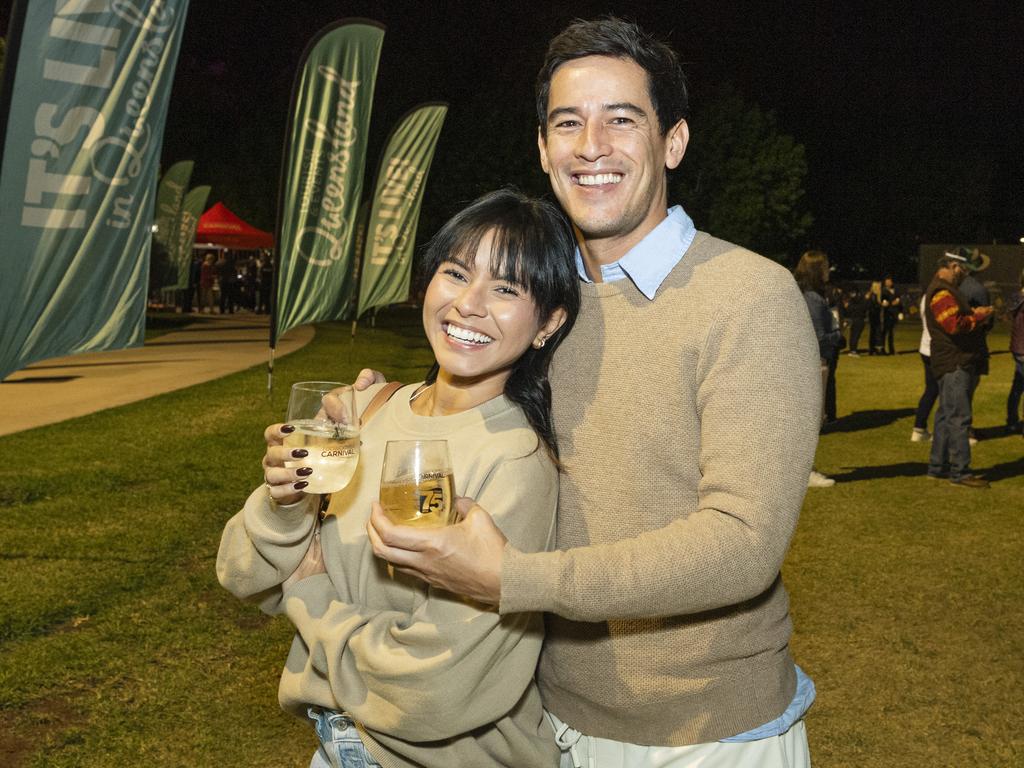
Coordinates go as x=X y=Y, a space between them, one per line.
x=118 y=647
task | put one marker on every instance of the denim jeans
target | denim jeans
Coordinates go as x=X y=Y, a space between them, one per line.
x=1016 y=390
x=951 y=449
x=340 y=745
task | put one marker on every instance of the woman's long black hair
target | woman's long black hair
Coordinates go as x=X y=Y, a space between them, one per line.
x=533 y=247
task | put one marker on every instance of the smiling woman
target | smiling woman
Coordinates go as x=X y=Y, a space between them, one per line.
x=479 y=324
x=387 y=670
x=500 y=296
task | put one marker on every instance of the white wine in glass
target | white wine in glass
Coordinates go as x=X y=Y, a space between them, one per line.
x=416 y=484
x=328 y=431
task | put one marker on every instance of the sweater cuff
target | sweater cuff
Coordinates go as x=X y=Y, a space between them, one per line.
x=527 y=580
x=270 y=521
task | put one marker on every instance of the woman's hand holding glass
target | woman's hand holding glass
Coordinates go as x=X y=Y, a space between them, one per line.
x=326 y=427
x=284 y=484
x=317 y=450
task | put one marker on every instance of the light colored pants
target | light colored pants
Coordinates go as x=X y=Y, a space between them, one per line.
x=786 y=751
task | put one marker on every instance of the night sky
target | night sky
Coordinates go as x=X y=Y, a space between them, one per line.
x=911 y=118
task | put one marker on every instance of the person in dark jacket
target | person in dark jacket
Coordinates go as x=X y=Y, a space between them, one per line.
x=977 y=295
x=227 y=279
x=857 y=315
x=892 y=307
x=957 y=347
x=192 y=296
x=1015 y=313
x=875 y=310
x=811 y=274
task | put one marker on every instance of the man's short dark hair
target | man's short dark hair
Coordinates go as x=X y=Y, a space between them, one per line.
x=610 y=36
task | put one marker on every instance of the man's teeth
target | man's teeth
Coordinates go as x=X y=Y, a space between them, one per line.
x=463 y=334
x=599 y=178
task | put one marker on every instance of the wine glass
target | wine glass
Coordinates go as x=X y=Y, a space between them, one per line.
x=416 y=483
x=331 y=440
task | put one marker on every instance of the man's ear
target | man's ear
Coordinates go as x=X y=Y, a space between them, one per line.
x=542 y=147
x=675 y=147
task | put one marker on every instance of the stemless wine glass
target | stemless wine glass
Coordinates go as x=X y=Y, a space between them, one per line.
x=329 y=431
x=416 y=483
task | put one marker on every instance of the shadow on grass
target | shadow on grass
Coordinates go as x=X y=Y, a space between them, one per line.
x=1004 y=471
x=859 y=420
x=882 y=472
x=41 y=380
x=993 y=474
x=994 y=433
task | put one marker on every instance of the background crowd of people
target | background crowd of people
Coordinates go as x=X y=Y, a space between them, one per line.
x=225 y=282
x=840 y=315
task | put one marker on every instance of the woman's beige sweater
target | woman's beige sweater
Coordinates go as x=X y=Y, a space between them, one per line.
x=431 y=679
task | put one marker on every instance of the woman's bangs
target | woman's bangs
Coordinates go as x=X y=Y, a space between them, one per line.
x=509 y=259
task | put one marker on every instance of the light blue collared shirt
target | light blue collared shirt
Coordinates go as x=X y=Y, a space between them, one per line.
x=647 y=264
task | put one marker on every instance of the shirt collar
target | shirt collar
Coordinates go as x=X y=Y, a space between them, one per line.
x=648 y=262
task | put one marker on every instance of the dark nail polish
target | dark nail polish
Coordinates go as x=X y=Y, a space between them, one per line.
x=300 y=485
x=287 y=429
x=300 y=453
x=304 y=471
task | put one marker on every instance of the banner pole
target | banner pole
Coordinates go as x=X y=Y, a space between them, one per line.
x=270 y=372
x=275 y=262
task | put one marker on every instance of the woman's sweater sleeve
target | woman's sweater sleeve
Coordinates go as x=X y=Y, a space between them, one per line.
x=448 y=666
x=262 y=545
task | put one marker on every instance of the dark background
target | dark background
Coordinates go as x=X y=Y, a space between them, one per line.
x=910 y=116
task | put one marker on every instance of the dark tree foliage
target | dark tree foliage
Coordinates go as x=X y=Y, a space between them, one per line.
x=743 y=180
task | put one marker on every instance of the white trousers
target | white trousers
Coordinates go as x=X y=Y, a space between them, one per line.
x=786 y=751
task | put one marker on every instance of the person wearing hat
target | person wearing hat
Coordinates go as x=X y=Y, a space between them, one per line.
x=957 y=354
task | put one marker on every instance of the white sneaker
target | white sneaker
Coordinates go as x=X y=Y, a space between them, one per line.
x=920 y=435
x=818 y=480
x=973 y=441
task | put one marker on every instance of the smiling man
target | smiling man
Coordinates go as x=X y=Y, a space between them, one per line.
x=687 y=433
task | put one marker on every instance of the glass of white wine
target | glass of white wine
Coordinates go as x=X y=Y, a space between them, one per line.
x=416 y=483
x=331 y=440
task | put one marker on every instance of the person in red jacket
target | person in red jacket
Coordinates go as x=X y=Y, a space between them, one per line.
x=958 y=348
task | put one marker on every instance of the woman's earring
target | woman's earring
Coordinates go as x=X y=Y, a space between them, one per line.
x=541 y=343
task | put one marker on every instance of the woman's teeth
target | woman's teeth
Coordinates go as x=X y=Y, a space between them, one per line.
x=462 y=334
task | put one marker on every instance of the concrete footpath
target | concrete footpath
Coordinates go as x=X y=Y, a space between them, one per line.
x=63 y=388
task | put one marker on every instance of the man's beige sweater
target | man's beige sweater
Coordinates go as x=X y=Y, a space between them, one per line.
x=687 y=427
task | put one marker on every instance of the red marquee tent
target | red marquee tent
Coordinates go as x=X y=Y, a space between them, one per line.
x=219 y=226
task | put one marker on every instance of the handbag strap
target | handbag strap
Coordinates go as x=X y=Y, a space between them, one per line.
x=383 y=395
